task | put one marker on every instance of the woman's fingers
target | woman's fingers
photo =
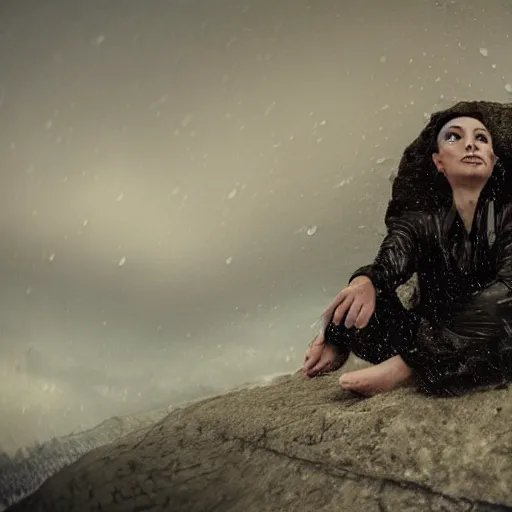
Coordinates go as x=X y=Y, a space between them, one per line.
x=319 y=367
x=318 y=359
x=364 y=316
x=327 y=315
x=341 y=310
x=339 y=299
x=313 y=355
x=350 y=304
x=353 y=313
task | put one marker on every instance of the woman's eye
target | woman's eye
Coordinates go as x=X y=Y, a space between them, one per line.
x=452 y=136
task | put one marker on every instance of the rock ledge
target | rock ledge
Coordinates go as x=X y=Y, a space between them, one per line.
x=303 y=445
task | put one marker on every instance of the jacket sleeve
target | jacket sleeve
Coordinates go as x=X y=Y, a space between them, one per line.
x=396 y=260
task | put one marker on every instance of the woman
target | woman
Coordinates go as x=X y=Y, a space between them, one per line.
x=460 y=336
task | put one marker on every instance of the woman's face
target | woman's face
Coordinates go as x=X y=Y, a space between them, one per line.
x=465 y=151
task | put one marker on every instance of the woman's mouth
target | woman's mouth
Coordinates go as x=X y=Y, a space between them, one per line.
x=472 y=160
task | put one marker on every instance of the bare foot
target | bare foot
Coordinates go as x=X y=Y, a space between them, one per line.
x=386 y=376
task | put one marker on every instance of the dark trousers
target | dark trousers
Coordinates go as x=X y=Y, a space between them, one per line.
x=443 y=362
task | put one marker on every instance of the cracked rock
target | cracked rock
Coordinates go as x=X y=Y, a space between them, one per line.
x=301 y=444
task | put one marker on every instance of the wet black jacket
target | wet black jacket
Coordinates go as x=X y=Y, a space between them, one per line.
x=465 y=282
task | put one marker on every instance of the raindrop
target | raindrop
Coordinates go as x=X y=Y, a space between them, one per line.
x=344 y=182
x=186 y=121
x=98 y=40
x=270 y=108
x=312 y=230
x=122 y=261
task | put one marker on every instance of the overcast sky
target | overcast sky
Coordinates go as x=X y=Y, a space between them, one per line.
x=187 y=184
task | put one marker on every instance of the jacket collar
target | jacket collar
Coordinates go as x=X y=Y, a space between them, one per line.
x=486 y=204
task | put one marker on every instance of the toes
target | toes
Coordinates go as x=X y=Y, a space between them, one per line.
x=345 y=381
x=356 y=383
x=351 y=382
x=350 y=377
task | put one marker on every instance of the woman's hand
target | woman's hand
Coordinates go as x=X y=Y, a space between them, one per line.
x=357 y=301
x=321 y=358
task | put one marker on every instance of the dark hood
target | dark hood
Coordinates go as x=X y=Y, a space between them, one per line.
x=419 y=187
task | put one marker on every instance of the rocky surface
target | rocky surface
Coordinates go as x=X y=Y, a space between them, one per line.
x=22 y=474
x=302 y=444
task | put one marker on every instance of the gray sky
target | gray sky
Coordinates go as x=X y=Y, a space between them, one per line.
x=187 y=184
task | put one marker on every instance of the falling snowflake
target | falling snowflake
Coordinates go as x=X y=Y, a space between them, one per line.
x=98 y=40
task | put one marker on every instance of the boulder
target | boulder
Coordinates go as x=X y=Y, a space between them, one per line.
x=301 y=444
